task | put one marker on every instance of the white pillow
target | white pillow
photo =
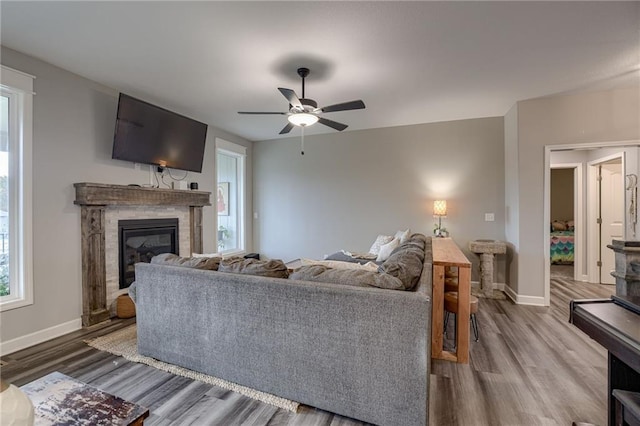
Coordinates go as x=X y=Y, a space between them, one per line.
x=385 y=250
x=379 y=242
x=337 y=264
x=403 y=235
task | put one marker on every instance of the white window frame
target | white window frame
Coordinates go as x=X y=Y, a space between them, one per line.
x=240 y=153
x=18 y=87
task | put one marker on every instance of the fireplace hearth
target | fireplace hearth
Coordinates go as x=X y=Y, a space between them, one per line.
x=141 y=239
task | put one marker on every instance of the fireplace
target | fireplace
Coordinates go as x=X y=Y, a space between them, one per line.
x=102 y=206
x=141 y=239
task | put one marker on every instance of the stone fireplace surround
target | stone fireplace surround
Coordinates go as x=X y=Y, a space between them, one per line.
x=102 y=205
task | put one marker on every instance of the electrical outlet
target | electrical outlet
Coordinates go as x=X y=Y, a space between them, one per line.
x=489 y=217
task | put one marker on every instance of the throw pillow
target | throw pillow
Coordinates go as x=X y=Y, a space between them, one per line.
x=336 y=264
x=403 y=235
x=559 y=225
x=265 y=268
x=210 y=263
x=379 y=242
x=385 y=250
x=351 y=277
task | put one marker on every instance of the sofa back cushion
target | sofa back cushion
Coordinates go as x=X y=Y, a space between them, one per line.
x=171 y=259
x=265 y=268
x=352 y=277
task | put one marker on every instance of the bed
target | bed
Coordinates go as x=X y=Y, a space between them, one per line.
x=562 y=242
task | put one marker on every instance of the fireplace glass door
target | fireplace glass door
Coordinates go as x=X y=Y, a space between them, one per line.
x=140 y=240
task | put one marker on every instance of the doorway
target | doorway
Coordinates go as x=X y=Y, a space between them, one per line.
x=564 y=185
x=624 y=159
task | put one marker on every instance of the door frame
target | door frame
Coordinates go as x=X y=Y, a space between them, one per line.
x=546 y=249
x=593 y=203
x=578 y=216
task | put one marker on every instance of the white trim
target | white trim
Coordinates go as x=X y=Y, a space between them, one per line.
x=524 y=300
x=16 y=81
x=496 y=286
x=546 y=201
x=31 y=339
x=18 y=87
x=240 y=153
x=5 y=68
x=578 y=217
x=231 y=147
x=594 y=271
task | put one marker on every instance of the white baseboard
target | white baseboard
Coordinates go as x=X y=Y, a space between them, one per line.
x=23 y=342
x=517 y=299
x=523 y=300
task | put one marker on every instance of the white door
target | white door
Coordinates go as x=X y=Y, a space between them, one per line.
x=611 y=214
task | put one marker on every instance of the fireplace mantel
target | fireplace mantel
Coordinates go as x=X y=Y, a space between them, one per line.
x=95 y=194
x=94 y=198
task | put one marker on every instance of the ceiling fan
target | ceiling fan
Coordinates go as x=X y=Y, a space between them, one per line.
x=304 y=112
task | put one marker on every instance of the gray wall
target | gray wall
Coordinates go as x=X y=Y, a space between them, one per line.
x=349 y=187
x=74 y=120
x=562 y=194
x=512 y=195
x=588 y=117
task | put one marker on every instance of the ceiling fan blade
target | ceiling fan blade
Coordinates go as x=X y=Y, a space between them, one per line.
x=334 y=124
x=345 y=106
x=261 y=112
x=286 y=129
x=291 y=97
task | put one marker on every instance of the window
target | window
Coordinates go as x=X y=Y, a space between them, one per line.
x=230 y=170
x=16 y=111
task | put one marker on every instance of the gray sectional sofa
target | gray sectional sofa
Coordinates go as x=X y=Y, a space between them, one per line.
x=359 y=351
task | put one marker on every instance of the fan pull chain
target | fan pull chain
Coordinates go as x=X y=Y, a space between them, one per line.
x=302 y=142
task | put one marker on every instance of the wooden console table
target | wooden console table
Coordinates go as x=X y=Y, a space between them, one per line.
x=447 y=253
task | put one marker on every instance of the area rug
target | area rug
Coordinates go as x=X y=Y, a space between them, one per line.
x=124 y=343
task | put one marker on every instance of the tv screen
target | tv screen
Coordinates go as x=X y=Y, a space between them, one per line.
x=149 y=134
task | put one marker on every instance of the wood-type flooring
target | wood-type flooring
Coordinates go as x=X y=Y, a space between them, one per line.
x=530 y=367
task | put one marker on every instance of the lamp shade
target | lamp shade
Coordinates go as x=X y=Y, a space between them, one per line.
x=302 y=119
x=440 y=208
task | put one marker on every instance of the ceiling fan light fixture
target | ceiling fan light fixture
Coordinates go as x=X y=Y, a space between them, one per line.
x=303 y=119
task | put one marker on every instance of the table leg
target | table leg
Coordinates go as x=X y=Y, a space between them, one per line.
x=462 y=323
x=437 y=311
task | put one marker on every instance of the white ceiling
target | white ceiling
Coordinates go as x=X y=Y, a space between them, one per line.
x=410 y=62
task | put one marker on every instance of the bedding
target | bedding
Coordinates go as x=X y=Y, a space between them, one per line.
x=562 y=247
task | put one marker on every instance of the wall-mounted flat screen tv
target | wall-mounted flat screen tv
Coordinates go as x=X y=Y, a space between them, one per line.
x=149 y=134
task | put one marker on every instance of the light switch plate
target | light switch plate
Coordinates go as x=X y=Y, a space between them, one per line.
x=489 y=217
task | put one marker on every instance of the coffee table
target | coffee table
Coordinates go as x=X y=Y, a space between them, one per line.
x=60 y=399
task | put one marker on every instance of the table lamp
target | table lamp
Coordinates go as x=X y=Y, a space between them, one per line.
x=439 y=211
